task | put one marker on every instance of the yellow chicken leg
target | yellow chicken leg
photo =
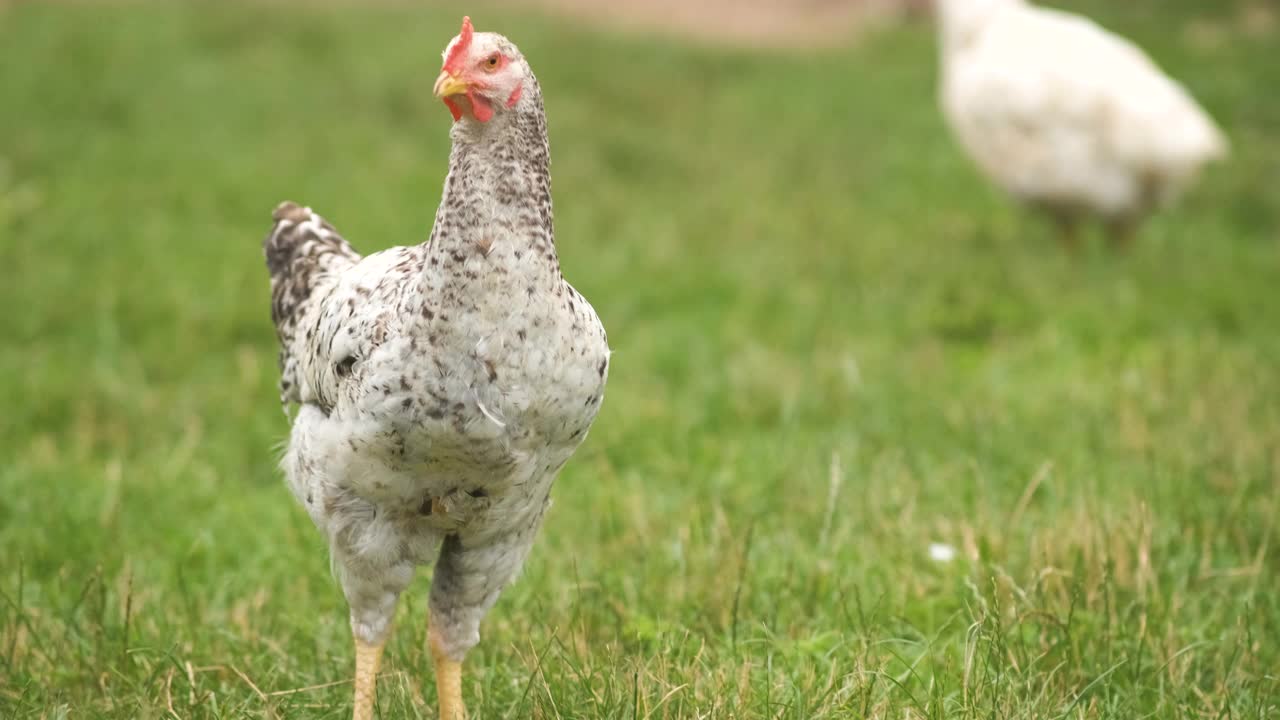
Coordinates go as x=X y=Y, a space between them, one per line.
x=368 y=659
x=448 y=679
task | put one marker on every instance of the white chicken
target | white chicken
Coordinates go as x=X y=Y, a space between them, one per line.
x=440 y=387
x=1067 y=117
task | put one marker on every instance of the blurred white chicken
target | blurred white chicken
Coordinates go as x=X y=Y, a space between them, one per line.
x=1068 y=117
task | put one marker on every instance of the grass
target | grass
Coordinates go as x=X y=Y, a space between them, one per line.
x=834 y=347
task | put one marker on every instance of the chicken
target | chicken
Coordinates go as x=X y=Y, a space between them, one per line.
x=440 y=388
x=1067 y=117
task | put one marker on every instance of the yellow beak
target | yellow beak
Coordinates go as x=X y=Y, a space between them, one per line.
x=448 y=84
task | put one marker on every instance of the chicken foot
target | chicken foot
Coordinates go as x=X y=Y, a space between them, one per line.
x=368 y=660
x=448 y=678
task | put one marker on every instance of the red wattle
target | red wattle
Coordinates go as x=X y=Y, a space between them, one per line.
x=480 y=107
x=453 y=109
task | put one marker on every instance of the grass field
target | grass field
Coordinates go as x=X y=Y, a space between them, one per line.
x=834 y=348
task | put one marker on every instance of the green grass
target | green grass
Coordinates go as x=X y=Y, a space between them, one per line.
x=834 y=347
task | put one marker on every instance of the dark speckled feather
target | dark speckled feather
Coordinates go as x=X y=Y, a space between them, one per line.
x=301 y=250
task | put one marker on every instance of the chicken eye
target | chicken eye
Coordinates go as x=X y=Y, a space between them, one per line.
x=491 y=63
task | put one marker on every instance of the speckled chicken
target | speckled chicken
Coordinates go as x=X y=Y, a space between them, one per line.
x=440 y=388
x=1068 y=117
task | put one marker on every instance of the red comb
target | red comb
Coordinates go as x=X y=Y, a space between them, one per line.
x=453 y=63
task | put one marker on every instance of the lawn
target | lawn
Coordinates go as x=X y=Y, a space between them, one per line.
x=834 y=348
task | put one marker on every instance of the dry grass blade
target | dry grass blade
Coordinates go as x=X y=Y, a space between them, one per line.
x=191 y=684
x=168 y=694
x=257 y=691
x=1024 y=500
x=310 y=688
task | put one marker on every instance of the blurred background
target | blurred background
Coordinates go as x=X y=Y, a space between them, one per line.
x=874 y=445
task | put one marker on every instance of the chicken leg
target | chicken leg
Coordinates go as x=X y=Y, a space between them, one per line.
x=368 y=659
x=1121 y=231
x=448 y=677
x=1068 y=227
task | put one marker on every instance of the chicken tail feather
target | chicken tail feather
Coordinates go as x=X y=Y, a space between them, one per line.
x=302 y=250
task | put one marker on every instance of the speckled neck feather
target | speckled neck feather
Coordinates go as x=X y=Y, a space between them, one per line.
x=499 y=178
